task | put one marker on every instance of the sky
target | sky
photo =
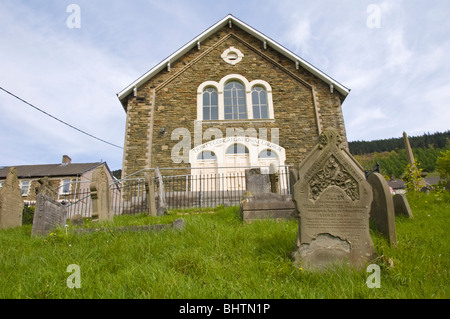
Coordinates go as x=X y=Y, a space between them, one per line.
x=71 y=61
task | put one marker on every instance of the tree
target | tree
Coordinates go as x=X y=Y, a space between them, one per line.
x=443 y=165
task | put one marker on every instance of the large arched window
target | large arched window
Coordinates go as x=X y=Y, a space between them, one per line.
x=235 y=107
x=259 y=103
x=210 y=104
x=237 y=149
x=234 y=98
x=267 y=154
x=206 y=155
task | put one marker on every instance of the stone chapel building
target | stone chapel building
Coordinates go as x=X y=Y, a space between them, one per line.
x=231 y=97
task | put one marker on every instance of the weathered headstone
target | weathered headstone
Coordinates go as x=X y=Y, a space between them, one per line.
x=48 y=215
x=382 y=213
x=401 y=206
x=260 y=202
x=161 y=208
x=333 y=199
x=100 y=195
x=293 y=178
x=274 y=179
x=76 y=220
x=11 y=202
x=46 y=189
x=255 y=182
x=150 y=191
x=268 y=205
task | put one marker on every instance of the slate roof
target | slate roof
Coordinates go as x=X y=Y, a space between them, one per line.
x=50 y=170
x=213 y=29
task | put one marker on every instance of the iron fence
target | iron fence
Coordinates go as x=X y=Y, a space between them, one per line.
x=196 y=189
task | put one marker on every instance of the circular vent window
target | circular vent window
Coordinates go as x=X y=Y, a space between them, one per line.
x=232 y=55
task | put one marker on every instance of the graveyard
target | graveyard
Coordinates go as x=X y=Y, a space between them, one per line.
x=339 y=234
x=218 y=255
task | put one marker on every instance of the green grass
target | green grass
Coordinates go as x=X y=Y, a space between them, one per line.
x=219 y=256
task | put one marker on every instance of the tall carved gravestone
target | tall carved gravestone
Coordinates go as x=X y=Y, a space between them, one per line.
x=100 y=195
x=333 y=199
x=382 y=214
x=161 y=207
x=11 y=202
x=48 y=215
x=410 y=158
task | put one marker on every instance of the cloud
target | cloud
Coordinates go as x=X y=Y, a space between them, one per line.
x=70 y=78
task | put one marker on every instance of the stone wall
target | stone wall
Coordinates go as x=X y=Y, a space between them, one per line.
x=300 y=100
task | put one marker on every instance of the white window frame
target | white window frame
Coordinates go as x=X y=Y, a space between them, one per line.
x=219 y=86
x=28 y=187
x=62 y=186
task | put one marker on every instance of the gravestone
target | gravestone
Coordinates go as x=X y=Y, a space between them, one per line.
x=268 y=205
x=150 y=191
x=411 y=160
x=48 y=215
x=100 y=195
x=46 y=189
x=255 y=182
x=260 y=202
x=293 y=178
x=76 y=220
x=274 y=179
x=333 y=199
x=401 y=206
x=11 y=202
x=382 y=215
x=161 y=208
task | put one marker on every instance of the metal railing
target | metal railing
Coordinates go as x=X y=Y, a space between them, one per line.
x=192 y=188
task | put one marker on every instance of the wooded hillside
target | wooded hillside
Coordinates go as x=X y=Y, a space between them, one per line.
x=391 y=154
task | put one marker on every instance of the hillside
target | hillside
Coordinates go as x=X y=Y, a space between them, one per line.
x=391 y=154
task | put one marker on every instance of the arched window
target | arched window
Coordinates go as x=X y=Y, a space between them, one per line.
x=210 y=104
x=267 y=154
x=234 y=98
x=237 y=149
x=207 y=155
x=235 y=107
x=259 y=103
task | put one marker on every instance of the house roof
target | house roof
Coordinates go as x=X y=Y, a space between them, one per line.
x=234 y=21
x=50 y=170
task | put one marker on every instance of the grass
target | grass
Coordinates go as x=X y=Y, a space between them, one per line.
x=219 y=256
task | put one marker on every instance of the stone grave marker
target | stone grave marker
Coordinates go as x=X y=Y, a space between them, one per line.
x=401 y=206
x=100 y=195
x=382 y=213
x=260 y=202
x=48 y=215
x=11 y=202
x=161 y=208
x=46 y=189
x=76 y=220
x=256 y=182
x=333 y=199
x=150 y=191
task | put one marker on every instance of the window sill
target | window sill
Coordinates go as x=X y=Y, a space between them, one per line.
x=237 y=121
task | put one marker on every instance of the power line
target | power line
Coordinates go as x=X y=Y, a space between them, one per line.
x=61 y=121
